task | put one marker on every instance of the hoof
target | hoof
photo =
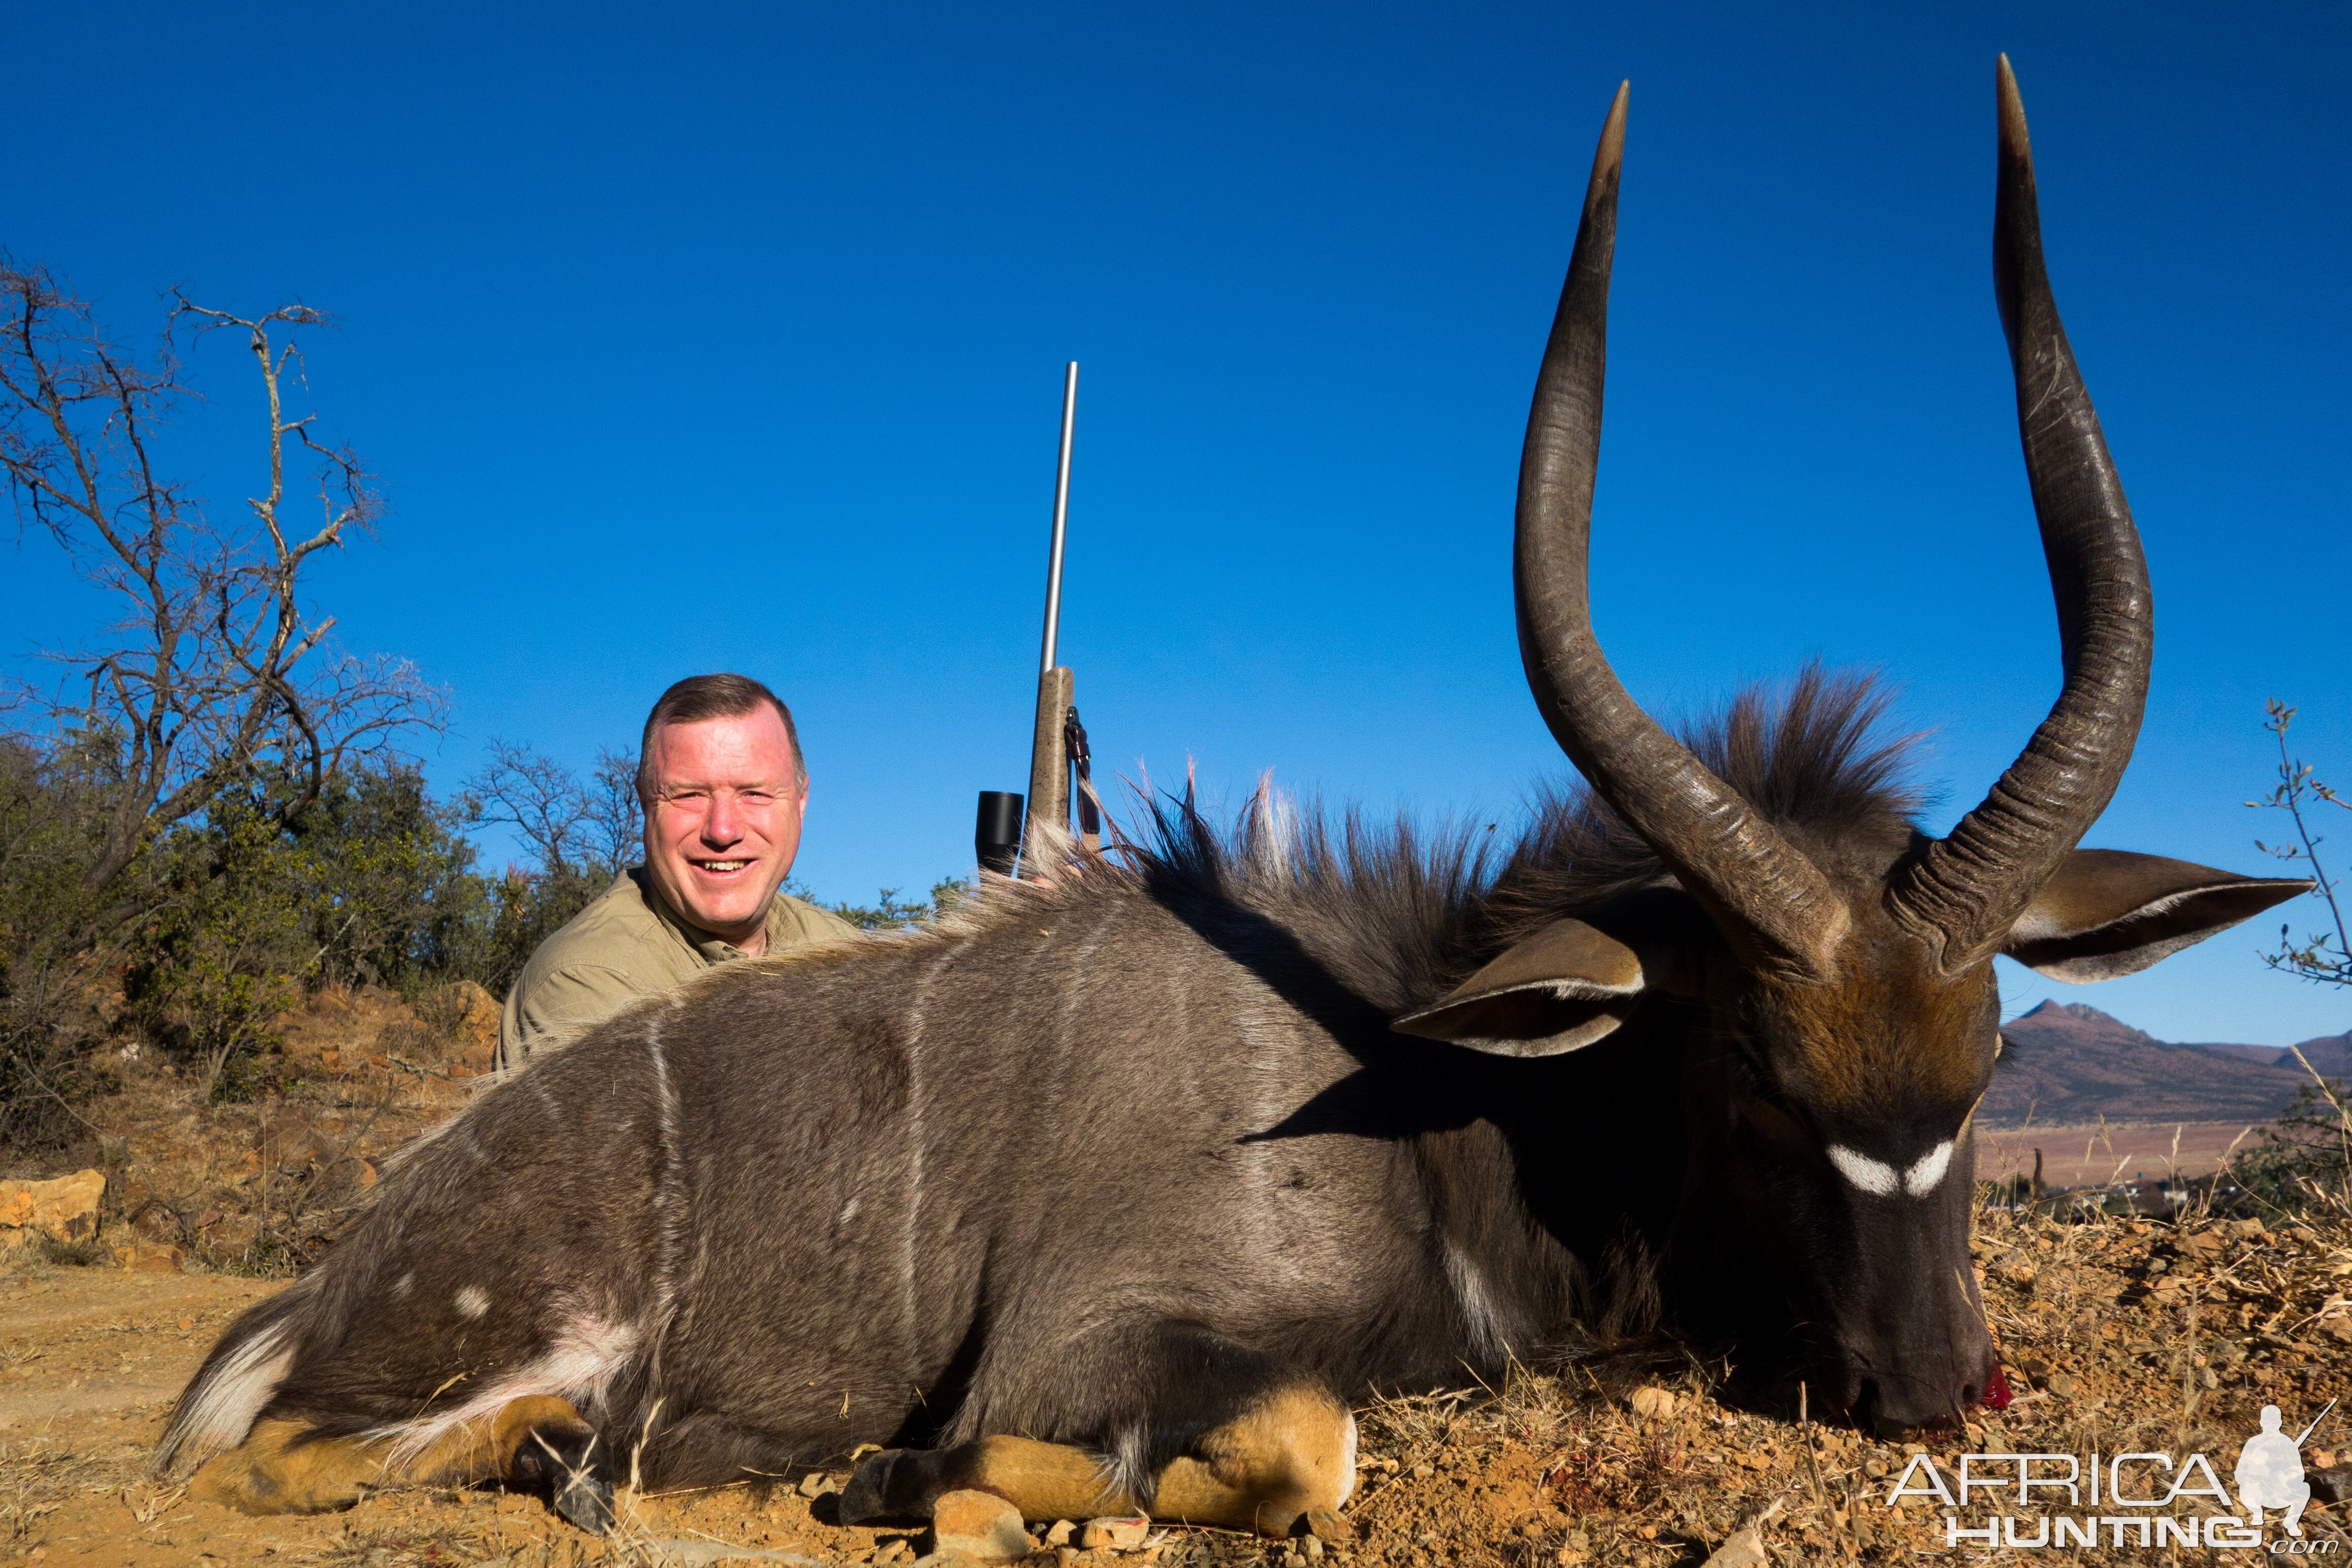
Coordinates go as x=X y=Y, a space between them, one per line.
x=571 y=1466
x=587 y=1502
x=868 y=1496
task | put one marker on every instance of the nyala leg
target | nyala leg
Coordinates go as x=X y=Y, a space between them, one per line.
x=1291 y=1454
x=568 y=1459
x=1233 y=1438
x=285 y=1467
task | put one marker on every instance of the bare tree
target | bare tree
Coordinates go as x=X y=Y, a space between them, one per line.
x=616 y=814
x=215 y=674
x=2324 y=956
x=597 y=826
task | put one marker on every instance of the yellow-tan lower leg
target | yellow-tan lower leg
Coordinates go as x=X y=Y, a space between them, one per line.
x=1291 y=1455
x=281 y=1468
x=485 y=1450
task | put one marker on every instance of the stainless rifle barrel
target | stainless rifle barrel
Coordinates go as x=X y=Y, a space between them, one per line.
x=1061 y=517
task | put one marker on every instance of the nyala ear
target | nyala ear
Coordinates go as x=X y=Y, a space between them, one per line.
x=2109 y=912
x=1560 y=989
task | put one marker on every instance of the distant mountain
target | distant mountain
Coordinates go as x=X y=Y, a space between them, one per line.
x=2330 y=1054
x=2064 y=1063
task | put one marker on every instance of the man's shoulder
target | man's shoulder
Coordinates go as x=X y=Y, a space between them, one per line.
x=795 y=921
x=619 y=932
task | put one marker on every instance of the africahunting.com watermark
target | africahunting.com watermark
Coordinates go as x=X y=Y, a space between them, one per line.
x=2127 y=1499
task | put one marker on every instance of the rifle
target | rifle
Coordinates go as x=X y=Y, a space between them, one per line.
x=1058 y=740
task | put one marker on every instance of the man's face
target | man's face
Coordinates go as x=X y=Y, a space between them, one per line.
x=724 y=821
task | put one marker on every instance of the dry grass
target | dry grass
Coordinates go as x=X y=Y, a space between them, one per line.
x=260 y=1188
x=2119 y=1334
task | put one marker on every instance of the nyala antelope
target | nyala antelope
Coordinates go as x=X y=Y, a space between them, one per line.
x=1109 y=1194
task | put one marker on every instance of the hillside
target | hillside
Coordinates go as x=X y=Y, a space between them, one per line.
x=2330 y=1053
x=2065 y=1062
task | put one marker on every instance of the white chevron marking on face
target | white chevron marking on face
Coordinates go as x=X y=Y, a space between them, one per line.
x=1925 y=1175
x=1880 y=1179
x=1874 y=1176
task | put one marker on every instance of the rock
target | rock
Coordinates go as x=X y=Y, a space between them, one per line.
x=1120 y=1534
x=2247 y=1229
x=816 y=1483
x=65 y=1209
x=2035 y=1367
x=149 y=1258
x=2203 y=1245
x=1744 y=1550
x=2333 y=1484
x=1651 y=1402
x=1058 y=1533
x=2061 y=1383
x=980 y=1525
x=1325 y=1525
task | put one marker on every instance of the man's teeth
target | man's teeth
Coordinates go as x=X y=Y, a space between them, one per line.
x=722 y=865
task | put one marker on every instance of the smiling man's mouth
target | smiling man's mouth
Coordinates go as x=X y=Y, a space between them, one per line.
x=722 y=866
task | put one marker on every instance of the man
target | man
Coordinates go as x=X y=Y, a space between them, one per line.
x=724 y=786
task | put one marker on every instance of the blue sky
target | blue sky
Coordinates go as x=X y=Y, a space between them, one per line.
x=734 y=339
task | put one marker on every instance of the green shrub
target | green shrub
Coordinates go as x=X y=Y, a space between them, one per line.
x=2303 y=1158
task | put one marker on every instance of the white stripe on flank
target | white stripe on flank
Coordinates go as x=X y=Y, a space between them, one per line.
x=910 y=1248
x=669 y=1196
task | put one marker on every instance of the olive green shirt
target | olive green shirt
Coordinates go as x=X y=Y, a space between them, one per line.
x=627 y=945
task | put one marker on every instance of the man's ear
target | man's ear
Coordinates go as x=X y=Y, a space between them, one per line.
x=2109 y=912
x=1559 y=990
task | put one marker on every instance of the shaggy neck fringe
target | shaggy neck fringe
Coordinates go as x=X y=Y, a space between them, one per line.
x=1400 y=914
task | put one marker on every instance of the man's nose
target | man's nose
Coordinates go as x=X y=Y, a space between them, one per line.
x=722 y=823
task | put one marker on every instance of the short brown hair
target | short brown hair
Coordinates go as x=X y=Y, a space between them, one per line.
x=699 y=698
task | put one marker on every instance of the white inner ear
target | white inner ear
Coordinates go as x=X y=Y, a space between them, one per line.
x=1874 y=1176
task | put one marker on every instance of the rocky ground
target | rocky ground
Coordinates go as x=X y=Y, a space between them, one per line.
x=2120 y=1335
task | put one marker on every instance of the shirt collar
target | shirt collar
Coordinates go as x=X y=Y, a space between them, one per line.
x=714 y=949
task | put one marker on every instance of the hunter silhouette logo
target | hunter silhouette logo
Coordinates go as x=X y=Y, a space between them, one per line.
x=2129 y=1500
x=2269 y=1471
